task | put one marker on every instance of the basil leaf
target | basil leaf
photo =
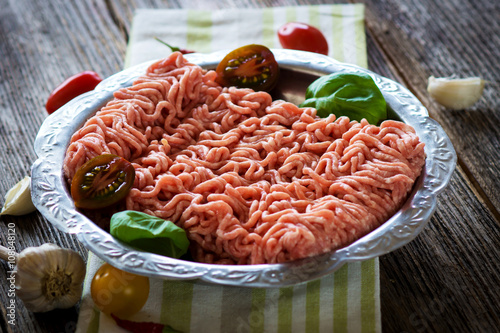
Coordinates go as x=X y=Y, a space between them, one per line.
x=149 y=233
x=347 y=94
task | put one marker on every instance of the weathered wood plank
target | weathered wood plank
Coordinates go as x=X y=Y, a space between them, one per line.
x=423 y=273
x=41 y=44
x=444 y=277
x=423 y=39
x=445 y=280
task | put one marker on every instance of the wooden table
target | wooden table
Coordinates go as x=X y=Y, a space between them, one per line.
x=446 y=280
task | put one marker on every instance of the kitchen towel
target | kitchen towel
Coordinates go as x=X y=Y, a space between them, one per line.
x=345 y=301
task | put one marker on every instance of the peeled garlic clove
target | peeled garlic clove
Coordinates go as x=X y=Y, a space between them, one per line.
x=49 y=277
x=454 y=93
x=18 y=199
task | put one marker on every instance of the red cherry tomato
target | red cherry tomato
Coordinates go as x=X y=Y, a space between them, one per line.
x=302 y=36
x=70 y=88
x=251 y=66
x=102 y=181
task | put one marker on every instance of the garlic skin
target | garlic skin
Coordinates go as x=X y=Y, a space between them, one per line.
x=18 y=199
x=49 y=277
x=455 y=93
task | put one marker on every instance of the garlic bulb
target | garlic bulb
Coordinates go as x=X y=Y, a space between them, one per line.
x=455 y=93
x=18 y=199
x=49 y=277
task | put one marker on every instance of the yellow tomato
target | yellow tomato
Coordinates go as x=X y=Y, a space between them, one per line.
x=118 y=292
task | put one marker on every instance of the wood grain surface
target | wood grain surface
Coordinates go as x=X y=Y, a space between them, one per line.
x=446 y=280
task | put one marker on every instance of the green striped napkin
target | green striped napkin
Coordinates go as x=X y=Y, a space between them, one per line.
x=345 y=301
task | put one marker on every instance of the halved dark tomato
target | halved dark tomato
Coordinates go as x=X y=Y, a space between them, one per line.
x=102 y=181
x=251 y=66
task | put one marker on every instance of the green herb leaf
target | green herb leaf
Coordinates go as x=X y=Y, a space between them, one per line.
x=347 y=94
x=149 y=233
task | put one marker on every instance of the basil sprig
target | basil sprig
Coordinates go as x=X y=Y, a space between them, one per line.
x=347 y=94
x=149 y=233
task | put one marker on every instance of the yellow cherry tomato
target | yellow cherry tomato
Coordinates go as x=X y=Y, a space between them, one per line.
x=118 y=292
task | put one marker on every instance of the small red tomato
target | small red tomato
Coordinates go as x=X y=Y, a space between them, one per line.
x=70 y=88
x=302 y=36
x=251 y=66
x=102 y=181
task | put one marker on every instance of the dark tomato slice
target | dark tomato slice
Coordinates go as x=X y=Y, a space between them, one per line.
x=102 y=181
x=251 y=66
x=302 y=36
x=73 y=86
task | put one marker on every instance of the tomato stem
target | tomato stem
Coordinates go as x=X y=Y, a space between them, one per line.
x=173 y=48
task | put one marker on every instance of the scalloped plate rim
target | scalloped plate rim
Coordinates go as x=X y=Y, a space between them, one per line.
x=289 y=273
